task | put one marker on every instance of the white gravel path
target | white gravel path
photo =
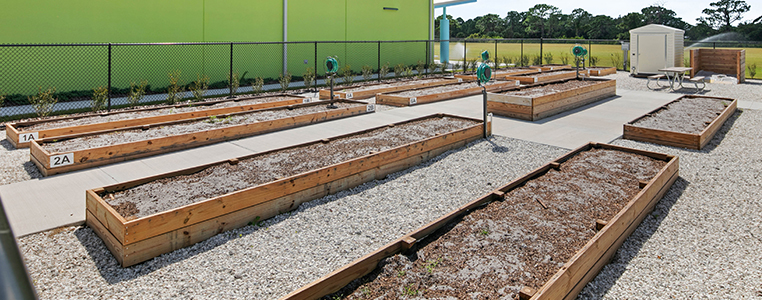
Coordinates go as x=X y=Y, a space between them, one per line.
x=750 y=91
x=14 y=163
x=291 y=249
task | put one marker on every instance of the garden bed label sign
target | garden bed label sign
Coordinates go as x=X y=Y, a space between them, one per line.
x=306 y=100
x=28 y=137
x=61 y=160
x=370 y=107
x=460 y=79
x=413 y=100
x=349 y=95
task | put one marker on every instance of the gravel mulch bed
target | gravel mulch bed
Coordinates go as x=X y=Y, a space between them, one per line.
x=687 y=115
x=388 y=85
x=290 y=250
x=749 y=91
x=14 y=163
x=551 y=73
x=436 y=89
x=550 y=88
x=703 y=238
x=494 y=251
x=169 y=193
x=143 y=114
x=132 y=135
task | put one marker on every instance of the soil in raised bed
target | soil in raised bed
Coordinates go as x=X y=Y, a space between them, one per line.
x=173 y=192
x=390 y=84
x=689 y=115
x=550 y=73
x=551 y=88
x=146 y=113
x=493 y=252
x=214 y=122
x=436 y=89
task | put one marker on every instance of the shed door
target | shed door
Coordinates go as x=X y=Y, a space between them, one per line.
x=652 y=52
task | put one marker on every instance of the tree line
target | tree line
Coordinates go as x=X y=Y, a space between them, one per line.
x=547 y=21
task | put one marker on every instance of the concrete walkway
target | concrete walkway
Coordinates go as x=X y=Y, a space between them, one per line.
x=42 y=204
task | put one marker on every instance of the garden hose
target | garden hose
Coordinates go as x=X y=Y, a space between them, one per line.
x=331 y=65
x=483 y=73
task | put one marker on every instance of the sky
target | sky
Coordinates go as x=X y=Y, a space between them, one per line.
x=688 y=10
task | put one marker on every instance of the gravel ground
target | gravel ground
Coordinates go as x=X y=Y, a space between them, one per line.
x=703 y=238
x=750 y=91
x=436 y=89
x=689 y=115
x=391 y=84
x=14 y=163
x=290 y=250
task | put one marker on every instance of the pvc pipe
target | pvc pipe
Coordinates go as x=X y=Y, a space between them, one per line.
x=444 y=37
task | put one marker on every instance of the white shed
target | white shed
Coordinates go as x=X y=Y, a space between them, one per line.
x=654 y=47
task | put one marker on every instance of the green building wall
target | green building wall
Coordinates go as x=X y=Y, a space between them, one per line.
x=157 y=21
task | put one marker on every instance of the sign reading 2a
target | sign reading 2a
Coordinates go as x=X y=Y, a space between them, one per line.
x=61 y=160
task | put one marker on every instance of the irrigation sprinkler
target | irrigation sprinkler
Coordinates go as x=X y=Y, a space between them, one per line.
x=579 y=55
x=331 y=67
x=483 y=75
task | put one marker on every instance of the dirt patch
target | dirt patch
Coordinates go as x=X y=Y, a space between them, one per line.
x=436 y=89
x=173 y=192
x=551 y=88
x=551 y=73
x=142 y=114
x=689 y=115
x=493 y=252
x=391 y=84
x=214 y=122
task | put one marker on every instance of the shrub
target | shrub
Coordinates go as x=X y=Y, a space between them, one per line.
x=523 y=60
x=257 y=85
x=175 y=89
x=498 y=61
x=136 y=93
x=284 y=80
x=507 y=60
x=548 y=57
x=616 y=60
x=100 y=97
x=565 y=58
x=234 y=81
x=308 y=77
x=593 y=61
x=198 y=88
x=408 y=71
x=398 y=70
x=348 y=77
x=367 y=72
x=536 y=60
x=384 y=70
x=419 y=68
x=43 y=102
x=2 y=99
x=472 y=65
x=752 y=72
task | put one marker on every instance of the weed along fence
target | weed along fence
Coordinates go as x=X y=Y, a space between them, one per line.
x=20 y=134
x=554 y=263
x=440 y=93
x=688 y=122
x=75 y=152
x=200 y=202
x=539 y=101
x=368 y=91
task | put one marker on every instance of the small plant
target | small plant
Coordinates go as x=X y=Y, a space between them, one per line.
x=456 y=66
x=43 y=102
x=234 y=81
x=398 y=70
x=752 y=72
x=175 y=89
x=548 y=57
x=523 y=60
x=384 y=70
x=284 y=80
x=498 y=62
x=616 y=59
x=472 y=64
x=257 y=84
x=367 y=72
x=100 y=96
x=308 y=77
x=430 y=265
x=137 y=92
x=401 y=273
x=593 y=61
x=537 y=60
x=419 y=68
x=410 y=291
x=408 y=72
x=347 y=76
x=256 y=222
x=565 y=58
x=484 y=231
x=2 y=99
x=507 y=60
x=198 y=88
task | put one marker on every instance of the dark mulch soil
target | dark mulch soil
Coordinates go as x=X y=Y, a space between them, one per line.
x=493 y=252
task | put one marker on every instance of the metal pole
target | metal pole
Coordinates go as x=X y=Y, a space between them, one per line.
x=316 y=70
x=378 y=60
x=230 y=78
x=484 y=109
x=590 y=48
x=521 y=58
x=465 y=51
x=540 y=50
x=714 y=45
x=109 y=77
x=495 y=55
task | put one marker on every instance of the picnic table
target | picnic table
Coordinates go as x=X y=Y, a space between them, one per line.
x=676 y=75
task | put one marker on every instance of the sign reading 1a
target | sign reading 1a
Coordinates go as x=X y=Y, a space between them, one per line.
x=28 y=137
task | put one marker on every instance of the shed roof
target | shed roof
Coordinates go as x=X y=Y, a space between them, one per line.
x=655 y=28
x=444 y=3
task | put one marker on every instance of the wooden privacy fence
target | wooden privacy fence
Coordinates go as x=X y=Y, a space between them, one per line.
x=724 y=61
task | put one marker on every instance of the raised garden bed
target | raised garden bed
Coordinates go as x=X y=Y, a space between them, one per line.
x=77 y=152
x=502 y=73
x=601 y=71
x=542 y=236
x=539 y=101
x=21 y=133
x=439 y=93
x=552 y=67
x=689 y=122
x=368 y=91
x=547 y=76
x=200 y=202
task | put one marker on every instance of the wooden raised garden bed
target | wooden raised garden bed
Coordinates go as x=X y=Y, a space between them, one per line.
x=690 y=122
x=368 y=91
x=552 y=67
x=502 y=73
x=439 y=93
x=198 y=203
x=542 y=236
x=77 y=152
x=547 y=76
x=21 y=133
x=601 y=71
x=539 y=101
